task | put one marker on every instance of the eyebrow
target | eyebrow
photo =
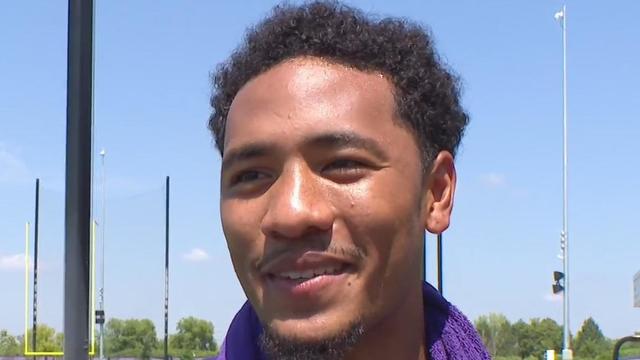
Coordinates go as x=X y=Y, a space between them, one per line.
x=247 y=152
x=329 y=140
x=347 y=139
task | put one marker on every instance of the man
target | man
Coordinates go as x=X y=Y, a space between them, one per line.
x=338 y=135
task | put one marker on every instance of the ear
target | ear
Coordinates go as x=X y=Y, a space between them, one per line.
x=440 y=187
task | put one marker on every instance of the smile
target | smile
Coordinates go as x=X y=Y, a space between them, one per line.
x=310 y=274
x=306 y=279
x=308 y=287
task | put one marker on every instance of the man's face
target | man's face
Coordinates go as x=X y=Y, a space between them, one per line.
x=322 y=199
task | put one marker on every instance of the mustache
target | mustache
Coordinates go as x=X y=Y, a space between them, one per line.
x=352 y=252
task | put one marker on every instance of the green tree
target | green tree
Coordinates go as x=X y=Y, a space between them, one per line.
x=9 y=345
x=194 y=334
x=532 y=339
x=135 y=337
x=524 y=343
x=46 y=339
x=590 y=342
x=496 y=332
x=59 y=339
x=548 y=335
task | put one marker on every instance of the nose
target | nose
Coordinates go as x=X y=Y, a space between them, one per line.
x=298 y=206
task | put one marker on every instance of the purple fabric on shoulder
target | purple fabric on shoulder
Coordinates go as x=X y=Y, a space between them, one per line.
x=242 y=337
x=449 y=334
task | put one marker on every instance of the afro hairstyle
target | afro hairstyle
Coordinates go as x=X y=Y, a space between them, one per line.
x=426 y=92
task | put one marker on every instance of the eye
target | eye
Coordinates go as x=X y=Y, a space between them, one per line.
x=247 y=177
x=344 y=165
x=345 y=170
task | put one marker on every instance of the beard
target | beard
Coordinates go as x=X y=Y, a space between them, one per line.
x=277 y=347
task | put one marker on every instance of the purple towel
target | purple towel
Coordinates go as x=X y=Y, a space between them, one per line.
x=449 y=334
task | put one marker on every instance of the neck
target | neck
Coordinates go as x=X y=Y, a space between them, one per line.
x=401 y=335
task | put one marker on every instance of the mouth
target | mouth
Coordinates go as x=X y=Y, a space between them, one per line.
x=309 y=274
x=316 y=283
x=309 y=278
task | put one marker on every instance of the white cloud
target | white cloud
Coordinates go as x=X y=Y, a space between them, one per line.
x=553 y=298
x=494 y=180
x=196 y=255
x=12 y=168
x=12 y=262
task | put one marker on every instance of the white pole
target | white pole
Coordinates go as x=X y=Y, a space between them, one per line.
x=104 y=200
x=566 y=351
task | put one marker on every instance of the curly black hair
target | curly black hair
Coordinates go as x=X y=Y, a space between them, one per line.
x=426 y=92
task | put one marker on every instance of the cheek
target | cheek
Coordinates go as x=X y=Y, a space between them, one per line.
x=242 y=232
x=241 y=229
x=387 y=225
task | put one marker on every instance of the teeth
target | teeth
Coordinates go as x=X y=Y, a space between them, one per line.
x=295 y=275
x=329 y=270
x=308 y=274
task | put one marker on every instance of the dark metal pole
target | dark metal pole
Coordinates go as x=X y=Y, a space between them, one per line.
x=166 y=274
x=35 y=270
x=424 y=257
x=78 y=179
x=440 y=286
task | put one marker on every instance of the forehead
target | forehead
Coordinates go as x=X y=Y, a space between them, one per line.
x=309 y=94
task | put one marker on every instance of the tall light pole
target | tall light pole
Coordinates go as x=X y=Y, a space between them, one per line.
x=104 y=202
x=35 y=270
x=566 y=350
x=166 y=272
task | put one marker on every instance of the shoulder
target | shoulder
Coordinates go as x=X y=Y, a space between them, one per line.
x=241 y=341
x=449 y=334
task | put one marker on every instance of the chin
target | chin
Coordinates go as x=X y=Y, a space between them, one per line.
x=310 y=330
x=300 y=340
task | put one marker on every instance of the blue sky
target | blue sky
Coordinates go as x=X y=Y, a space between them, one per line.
x=153 y=61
